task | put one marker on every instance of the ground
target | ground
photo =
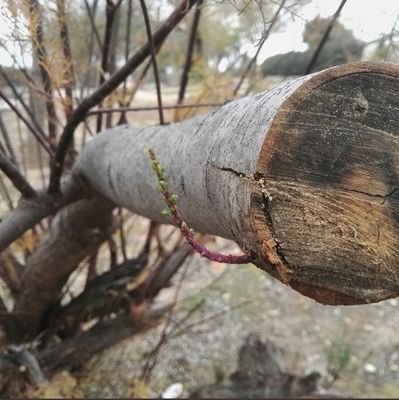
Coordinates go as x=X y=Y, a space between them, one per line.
x=358 y=342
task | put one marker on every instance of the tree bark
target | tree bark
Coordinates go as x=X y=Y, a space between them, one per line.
x=305 y=176
x=76 y=232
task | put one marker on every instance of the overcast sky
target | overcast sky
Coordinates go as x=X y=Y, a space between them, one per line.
x=367 y=18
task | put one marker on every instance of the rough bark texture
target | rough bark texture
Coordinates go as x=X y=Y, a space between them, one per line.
x=305 y=176
x=76 y=232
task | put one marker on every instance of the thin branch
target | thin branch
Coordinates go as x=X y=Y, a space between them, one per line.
x=18 y=64
x=255 y=57
x=153 y=355
x=172 y=211
x=110 y=12
x=41 y=54
x=211 y=317
x=127 y=39
x=104 y=334
x=107 y=87
x=323 y=40
x=27 y=123
x=123 y=102
x=22 y=151
x=122 y=234
x=66 y=48
x=11 y=271
x=7 y=141
x=29 y=212
x=136 y=87
x=12 y=172
x=93 y=30
x=153 y=60
x=6 y=194
x=93 y=24
x=23 y=103
x=190 y=51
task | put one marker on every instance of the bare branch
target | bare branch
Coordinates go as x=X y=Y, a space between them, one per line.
x=153 y=60
x=104 y=334
x=93 y=24
x=6 y=194
x=27 y=123
x=127 y=39
x=107 y=87
x=41 y=54
x=76 y=232
x=22 y=101
x=111 y=10
x=255 y=57
x=11 y=271
x=66 y=47
x=324 y=38
x=7 y=142
x=189 y=54
x=31 y=211
x=12 y=172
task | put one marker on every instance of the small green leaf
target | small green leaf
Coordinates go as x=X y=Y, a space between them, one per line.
x=166 y=212
x=154 y=165
x=163 y=185
x=174 y=198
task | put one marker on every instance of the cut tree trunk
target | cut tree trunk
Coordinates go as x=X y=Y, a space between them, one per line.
x=306 y=176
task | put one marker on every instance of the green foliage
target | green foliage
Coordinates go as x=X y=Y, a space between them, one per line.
x=341 y=47
x=338 y=358
x=218 y=373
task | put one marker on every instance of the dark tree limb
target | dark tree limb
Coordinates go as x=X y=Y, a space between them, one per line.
x=66 y=48
x=93 y=35
x=6 y=194
x=83 y=346
x=102 y=296
x=26 y=108
x=38 y=137
x=31 y=211
x=93 y=24
x=110 y=13
x=324 y=38
x=108 y=86
x=255 y=57
x=153 y=60
x=161 y=276
x=76 y=232
x=11 y=271
x=17 y=179
x=190 y=51
x=41 y=53
x=7 y=142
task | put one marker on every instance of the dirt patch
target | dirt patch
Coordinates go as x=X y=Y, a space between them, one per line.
x=357 y=343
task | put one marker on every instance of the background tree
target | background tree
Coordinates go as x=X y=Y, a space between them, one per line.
x=341 y=47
